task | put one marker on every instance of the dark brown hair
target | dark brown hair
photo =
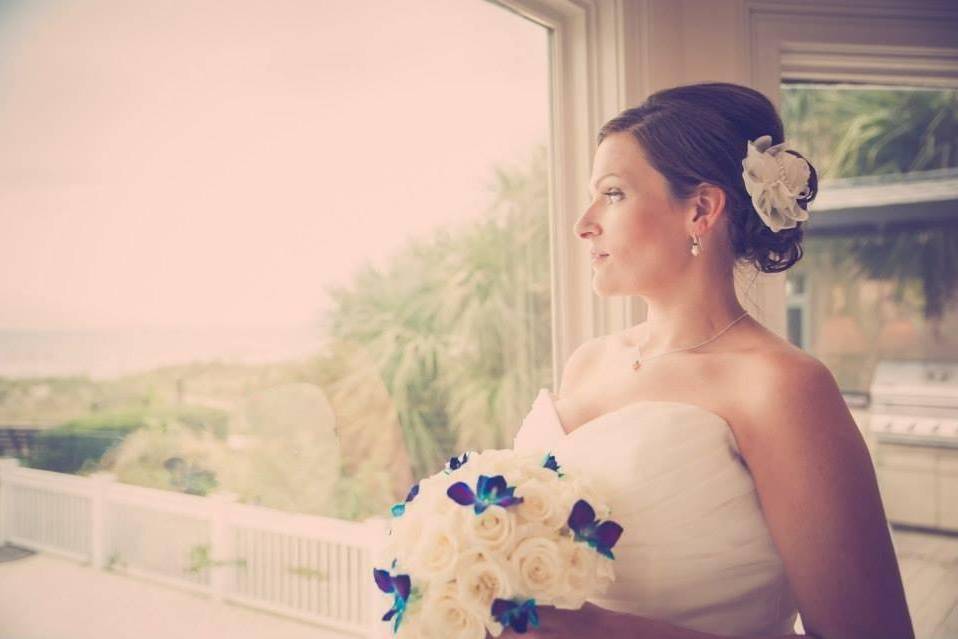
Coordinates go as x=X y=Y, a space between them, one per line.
x=699 y=133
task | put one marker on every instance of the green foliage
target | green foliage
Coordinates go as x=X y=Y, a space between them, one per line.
x=200 y=560
x=850 y=132
x=459 y=326
x=309 y=573
x=366 y=493
x=190 y=478
x=868 y=131
x=48 y=400
x=166 y=456
x=199 y=419
x=115 y=560
x=80 y=443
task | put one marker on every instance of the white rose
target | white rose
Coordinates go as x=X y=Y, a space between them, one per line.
x=406 y=531
x=540 y=472
x=525 y=531
x=576 y=489
x=436 y=553
x=432 y=489
x=605 y=571
x=446 y=616
x=494 y=529
x=443 y=506
x=582 y=561
x=589 y=574
x=541 y=503
x=441 y=480
x=481 y=463
x=501 y=463
x=481 y=579
x=409 y=628
x=529 y=458
x=540 y=568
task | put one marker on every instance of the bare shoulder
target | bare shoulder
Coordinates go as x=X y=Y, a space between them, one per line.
x=785 y=366
x=583 y=358
x=794 y=425
x=787 y=371
x=793 y=395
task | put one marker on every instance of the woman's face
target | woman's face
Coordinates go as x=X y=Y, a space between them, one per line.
x=632 y=217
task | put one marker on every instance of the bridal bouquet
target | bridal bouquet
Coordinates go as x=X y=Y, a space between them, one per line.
x=478 y=545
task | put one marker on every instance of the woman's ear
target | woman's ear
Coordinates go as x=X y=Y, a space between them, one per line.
x=708 y=202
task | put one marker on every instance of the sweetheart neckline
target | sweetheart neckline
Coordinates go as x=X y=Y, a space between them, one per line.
x=641 y=402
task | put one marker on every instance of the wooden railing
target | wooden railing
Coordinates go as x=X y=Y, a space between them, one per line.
x=312 y=568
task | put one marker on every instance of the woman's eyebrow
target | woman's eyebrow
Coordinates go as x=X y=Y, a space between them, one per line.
x=595 y=185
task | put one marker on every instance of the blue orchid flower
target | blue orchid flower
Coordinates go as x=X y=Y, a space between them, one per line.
x=551 y=463
x=455 y=463
x=400 y=508
x=490 y=491
x=516 y=614
x=397 y=585
x=599 y=535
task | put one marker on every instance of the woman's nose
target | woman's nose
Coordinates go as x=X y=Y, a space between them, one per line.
x=584 y=226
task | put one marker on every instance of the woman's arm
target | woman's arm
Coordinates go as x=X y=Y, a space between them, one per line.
x=592 y=621
x=819 y=494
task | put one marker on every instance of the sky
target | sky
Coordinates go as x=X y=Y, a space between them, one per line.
x=218 y=163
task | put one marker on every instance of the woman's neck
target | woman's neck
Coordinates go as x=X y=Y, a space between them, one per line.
x=684 y=323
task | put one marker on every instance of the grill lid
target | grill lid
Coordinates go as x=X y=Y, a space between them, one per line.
x=915 y=402
x=915 y=383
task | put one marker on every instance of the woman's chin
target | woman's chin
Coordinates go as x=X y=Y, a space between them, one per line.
x=606 y=291
x=609 y=289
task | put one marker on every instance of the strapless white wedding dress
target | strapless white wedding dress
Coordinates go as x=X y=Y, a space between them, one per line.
x=695 y=550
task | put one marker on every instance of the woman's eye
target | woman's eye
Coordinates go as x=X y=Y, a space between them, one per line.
x=613 y=195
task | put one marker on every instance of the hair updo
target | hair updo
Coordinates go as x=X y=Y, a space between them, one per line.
x=699 y=133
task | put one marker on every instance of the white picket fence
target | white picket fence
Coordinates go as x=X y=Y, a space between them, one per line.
x=312 y=568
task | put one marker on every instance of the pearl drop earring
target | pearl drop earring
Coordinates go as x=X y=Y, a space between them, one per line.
x=696 y=246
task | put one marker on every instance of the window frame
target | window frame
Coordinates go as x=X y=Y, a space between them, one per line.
x=593 y=47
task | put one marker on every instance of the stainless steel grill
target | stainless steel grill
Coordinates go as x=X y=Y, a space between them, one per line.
x=913 y=422
x=915 y=402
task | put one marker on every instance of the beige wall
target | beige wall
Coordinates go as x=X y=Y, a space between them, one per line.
x=672 y=42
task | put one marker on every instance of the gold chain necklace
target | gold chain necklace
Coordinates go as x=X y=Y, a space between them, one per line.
x=639 y=361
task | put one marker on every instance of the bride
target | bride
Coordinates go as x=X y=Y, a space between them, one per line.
x=744 y=486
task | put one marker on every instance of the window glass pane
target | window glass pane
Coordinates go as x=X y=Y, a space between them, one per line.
x=795 y=326
x=295 y=251
x=880 y=271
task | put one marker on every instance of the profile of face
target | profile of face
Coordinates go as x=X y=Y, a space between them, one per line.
x=633 y=217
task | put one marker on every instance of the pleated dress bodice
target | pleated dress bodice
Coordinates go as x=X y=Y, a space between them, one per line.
x=695 y=550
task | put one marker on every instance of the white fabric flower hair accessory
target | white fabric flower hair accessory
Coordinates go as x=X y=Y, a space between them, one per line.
x=776 y=180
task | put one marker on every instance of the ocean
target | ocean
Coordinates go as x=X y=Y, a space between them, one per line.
x=106 y=353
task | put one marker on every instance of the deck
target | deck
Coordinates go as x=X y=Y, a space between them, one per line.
x=45 y=597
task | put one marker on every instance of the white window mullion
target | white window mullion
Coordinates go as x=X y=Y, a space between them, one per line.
x=589 y=83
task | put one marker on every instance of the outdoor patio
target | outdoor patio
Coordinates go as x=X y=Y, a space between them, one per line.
x=45 y=597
